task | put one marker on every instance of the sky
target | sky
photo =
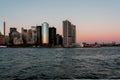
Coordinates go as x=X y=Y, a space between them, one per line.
x=95 y=20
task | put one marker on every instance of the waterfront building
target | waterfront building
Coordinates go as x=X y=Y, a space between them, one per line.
x=45 y=33
x=14 y=37
x=34 y=35
x=11 y=36
x=1 y=39
x=73 y=34
x=59 y=40
x=26 y=36
x=69 y=33
x=52 y=36
x=17 y=40
x=39 y=35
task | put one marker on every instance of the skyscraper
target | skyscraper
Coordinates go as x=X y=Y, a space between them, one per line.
x=68 y=33
x=24 y=35
x=59 y=40
x=45 y=33
x=73 y=33
x=52 y=36
x=11 y=37
x=39 y=35
x=2 y=41
x=34 y=34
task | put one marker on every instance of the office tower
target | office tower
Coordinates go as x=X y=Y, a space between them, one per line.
x=16 y=38
x=29 y=36
x=34 y=35
x=69 y=35
x=11 y=36
x=24 y=35
x=13 y=30
x=39 y=35
x=73 y=34
x=59 y=40
x=52 y=36
x=1 y=39
x=45 y=33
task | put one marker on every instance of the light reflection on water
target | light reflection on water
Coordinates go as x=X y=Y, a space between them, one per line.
x=59 y=63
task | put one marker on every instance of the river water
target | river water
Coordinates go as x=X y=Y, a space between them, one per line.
x=59 y=63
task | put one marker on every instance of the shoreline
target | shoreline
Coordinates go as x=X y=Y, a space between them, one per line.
x=51 y=47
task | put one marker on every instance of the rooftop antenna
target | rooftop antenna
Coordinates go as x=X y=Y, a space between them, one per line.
x=4 y=25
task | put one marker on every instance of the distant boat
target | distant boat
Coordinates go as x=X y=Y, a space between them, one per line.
x=92 y=46
x=3 y=46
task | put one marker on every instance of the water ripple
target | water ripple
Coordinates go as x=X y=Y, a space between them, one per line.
x=59 y=63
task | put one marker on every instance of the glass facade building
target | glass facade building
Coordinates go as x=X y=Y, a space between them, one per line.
x=45 y=33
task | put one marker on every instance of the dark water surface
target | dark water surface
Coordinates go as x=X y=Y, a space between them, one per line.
x=59 y=63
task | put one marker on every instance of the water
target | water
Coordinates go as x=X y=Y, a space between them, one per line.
x=59 y=63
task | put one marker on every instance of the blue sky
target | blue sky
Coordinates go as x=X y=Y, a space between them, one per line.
x=95 y=19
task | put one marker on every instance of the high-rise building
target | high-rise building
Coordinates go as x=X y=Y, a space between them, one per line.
x=45 y=33
x=29 y=36
x=17 y=40
x=2 y=41
x=52 y=36
x=11 y=37
x=34 y=35
x=73 y=34
x=24 y=35
x=59 y=40
x=13 y=30
x=69 y=35
x=15 y=37
x=39 y=35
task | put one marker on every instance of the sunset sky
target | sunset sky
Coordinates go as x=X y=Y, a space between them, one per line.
x=96 y=20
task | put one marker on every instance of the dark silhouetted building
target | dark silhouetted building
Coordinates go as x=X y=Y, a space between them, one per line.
x=39 y=35
x=59 y=40
x=52 y=36
x=24 y=37
x=1 y=39
x=11 y=37
x=14 y=37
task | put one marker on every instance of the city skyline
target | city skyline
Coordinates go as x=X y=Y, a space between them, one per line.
x=37 y=36
x=96 y=20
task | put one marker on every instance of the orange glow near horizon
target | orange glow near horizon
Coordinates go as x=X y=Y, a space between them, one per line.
x=98 y=38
